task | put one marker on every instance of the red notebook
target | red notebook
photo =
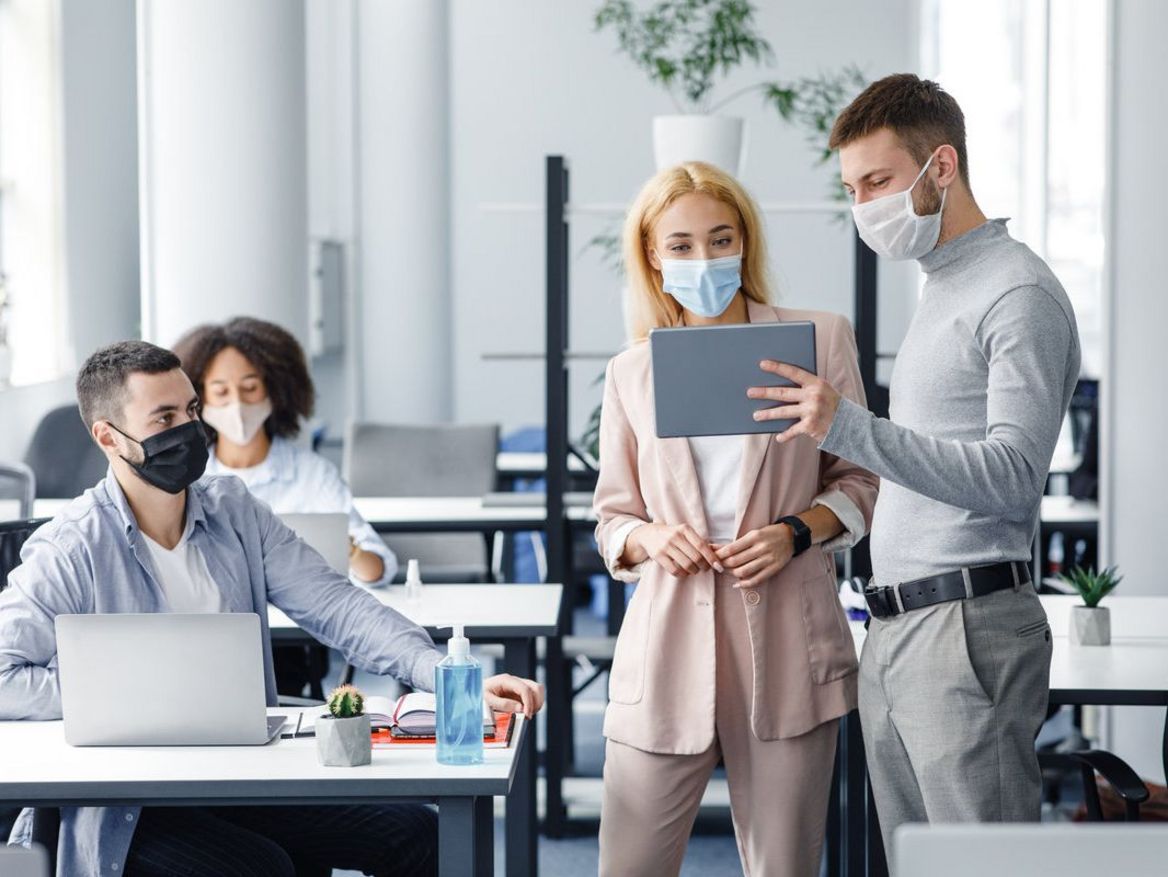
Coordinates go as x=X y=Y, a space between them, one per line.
x=500 y=739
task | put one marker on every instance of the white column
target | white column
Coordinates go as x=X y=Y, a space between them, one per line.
x=221 y=98
x=1135 y=417
x=402 y=195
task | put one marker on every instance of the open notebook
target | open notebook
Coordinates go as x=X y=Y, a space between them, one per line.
x=411 y=715
x=414 y=716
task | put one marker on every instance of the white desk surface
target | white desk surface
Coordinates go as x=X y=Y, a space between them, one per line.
x=534 y=608
x=425 y=509
x=1068 y=510
x=391 y=509
x=532 y=462
x=412 y=509
x=36 y=764
x=1136 y=661
x=439 y=510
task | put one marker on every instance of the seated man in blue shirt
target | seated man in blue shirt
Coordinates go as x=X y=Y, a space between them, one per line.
x=147 y=538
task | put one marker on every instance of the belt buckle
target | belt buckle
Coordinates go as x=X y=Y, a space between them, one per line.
x=880 y=602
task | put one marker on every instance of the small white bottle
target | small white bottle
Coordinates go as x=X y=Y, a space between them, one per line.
x=413 y=582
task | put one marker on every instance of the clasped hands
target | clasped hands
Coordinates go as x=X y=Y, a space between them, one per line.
x=680 y=551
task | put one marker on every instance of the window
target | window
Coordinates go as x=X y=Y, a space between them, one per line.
x=32 y=313
x=1035 y=114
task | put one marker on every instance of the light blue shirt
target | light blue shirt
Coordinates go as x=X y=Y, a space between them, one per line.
x=93 y=558
x=294 y=480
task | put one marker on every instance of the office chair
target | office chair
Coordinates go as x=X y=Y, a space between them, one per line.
x=1088 y=762
x=448 y=460
x=63 y=456
x=17 y=481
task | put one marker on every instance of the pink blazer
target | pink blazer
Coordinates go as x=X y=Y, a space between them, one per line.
x=661 y=689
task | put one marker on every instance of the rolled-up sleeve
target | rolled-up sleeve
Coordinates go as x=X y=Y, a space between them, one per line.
x=846 y=488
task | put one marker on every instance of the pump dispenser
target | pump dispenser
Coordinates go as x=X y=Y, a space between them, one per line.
x=413 y=582
x=458 y=690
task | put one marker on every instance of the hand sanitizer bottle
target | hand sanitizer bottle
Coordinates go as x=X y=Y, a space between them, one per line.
x=458 y=690
x=413 y=582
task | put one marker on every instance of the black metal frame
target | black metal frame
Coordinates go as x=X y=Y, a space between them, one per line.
x=559 y=712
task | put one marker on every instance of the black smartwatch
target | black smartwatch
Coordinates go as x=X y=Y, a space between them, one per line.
x=802 y=532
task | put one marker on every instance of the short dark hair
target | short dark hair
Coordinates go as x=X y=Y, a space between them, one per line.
x=918 y=111
x=271 y=349
x=101 y=383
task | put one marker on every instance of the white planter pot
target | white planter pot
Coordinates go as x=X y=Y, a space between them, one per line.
x=719 y=140
x=1090 y=627
x=343 y=742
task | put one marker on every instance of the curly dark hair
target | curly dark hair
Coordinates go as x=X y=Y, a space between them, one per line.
x=272 y=350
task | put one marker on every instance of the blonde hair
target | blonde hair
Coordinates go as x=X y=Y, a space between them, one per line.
x=649 y=305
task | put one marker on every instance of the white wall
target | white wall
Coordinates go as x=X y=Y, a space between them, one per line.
x=1135 y=413
x=223 y=169
x=530 y=78
x=100 y=201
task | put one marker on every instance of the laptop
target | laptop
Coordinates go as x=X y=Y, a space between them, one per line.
x=701 y=375
x=173 y=679
x=1030 y=850
x=327 y=533
x=21 y=862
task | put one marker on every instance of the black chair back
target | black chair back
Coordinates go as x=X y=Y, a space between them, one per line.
x=63 y=456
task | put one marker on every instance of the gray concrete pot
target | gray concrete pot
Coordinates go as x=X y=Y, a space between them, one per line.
x=1090 y=627
x=343 y=742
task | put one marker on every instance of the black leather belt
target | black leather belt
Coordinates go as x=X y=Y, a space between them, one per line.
x=945 y=587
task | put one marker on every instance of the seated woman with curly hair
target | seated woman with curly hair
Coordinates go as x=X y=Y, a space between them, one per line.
x=253 y=381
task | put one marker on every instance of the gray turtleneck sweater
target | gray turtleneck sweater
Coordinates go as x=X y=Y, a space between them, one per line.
x=978 y=394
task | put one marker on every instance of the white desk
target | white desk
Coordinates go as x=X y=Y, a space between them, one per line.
x=461 y=514
x=490 y=612
x=1068 y=510
x=402 y=514
x=38 y=768
x=512 y=615
x=531 y=464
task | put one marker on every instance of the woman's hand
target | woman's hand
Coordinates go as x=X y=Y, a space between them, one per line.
x=677 y=549
x=759 y=555
x=511 y=694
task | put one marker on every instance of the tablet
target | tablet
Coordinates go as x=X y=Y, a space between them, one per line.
x=701 y=375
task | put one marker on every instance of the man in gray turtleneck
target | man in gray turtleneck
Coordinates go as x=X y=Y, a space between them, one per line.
x=955 y=672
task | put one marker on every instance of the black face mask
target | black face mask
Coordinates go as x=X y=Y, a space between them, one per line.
x=175 y=458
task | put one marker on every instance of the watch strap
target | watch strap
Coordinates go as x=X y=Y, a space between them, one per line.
x=801 y=530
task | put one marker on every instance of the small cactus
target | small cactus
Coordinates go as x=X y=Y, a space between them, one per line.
x=346 y=702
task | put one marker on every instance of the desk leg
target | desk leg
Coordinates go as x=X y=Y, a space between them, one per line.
x=466 y=836
x=522 y=828
x=854 y=846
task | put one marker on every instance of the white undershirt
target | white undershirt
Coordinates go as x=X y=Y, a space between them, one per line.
x=718 y=461
x=182 y=574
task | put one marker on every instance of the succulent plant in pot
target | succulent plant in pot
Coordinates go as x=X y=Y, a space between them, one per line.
x=343 y=734
x=1091 y=623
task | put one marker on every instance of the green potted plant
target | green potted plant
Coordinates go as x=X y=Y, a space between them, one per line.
x=1091 y=623
x=685 y=46
x=343 y=734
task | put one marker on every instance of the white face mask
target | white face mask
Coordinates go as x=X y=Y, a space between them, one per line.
x=891 y=227
x=237 y=422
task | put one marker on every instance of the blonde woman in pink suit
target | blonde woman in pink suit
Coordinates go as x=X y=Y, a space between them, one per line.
x=734 y=646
